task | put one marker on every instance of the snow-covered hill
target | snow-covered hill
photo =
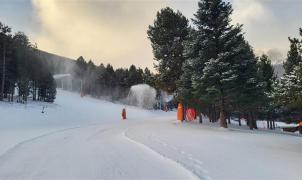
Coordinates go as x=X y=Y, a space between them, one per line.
x=85 y=138
x=19 y=122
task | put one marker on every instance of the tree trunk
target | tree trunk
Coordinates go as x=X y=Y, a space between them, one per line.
x=34 y=91
x=200 y=118
x=12 y=98
x=222 y=119
x=3 y=75
x=229 y=118
x=267 y=124
x=214 y=114
x=271 y=124
x=250 y=121
x=210 y=114
x=274 y=125
x=239 y=120
x=222 y=114
x=254 y=121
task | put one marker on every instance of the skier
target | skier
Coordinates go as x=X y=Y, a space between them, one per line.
x=124 y=113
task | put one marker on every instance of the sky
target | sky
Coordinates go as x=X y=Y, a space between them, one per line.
x=114 y=31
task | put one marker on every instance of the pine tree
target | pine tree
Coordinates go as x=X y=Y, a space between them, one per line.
x=289 y=90
x=248 y=91
x=167 y=34
x=4 y=38
x=268 y=77
x=294 y=54
x=148 y=77
x=212 y=52
x=184 y=91
x=21 y=65
x=22 y=54
x=266 y=72
x=224 y=67
x=135 y=76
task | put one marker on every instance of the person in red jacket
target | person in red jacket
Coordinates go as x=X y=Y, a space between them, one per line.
x=124 y=114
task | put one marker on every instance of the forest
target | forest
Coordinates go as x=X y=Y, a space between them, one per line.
x=23 y=73
x=209 y=65
x=27 y=72
x=205 y=62
x=104 y=80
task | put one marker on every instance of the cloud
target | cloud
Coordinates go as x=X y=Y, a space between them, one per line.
x=105 y=31
x=264 y=29
x=114 y=31
x=250 y=11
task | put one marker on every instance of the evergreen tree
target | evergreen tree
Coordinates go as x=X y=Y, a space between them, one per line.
x=81 y=67
x=267 y=76
x=222 y=60
x=248 y=91
x=4 y=39
x=23 y=68
x=47 y=88
x=148 y=77
x=266 y=72
x=110 y=77
x=167 y=34
x=122 y=78
x=135 y=76
x=184 y=85
x=211 y=52
x=289 y=90
x=22 y=54
x=293 y=55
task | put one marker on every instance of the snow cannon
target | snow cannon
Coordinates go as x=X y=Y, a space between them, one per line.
x=124 y=114
x=180 y=112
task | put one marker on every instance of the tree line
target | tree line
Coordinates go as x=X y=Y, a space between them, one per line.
x=22 y=70
x=106 y=81
x=209 y=65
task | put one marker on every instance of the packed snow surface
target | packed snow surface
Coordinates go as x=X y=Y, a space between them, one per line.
x=85 y=138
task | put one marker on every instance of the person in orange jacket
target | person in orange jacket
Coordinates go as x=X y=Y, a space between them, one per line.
x=124 y=114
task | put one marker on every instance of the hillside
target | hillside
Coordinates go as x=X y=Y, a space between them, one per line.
x=58 y=64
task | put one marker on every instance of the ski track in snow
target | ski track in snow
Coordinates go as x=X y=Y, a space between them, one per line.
x=175 y=154
x=29 y=163
x=18 y=145
x=173 y=163
x=85 y=138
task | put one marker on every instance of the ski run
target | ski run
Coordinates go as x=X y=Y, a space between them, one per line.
x=85 y=138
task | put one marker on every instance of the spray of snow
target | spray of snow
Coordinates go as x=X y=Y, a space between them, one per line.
x=142 y=95
x=60 y=76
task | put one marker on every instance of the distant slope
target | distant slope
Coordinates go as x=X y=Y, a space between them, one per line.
x=64 y=65
x=58 y=64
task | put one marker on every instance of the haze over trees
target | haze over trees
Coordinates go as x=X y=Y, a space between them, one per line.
x=106 y=81
x=22 y=69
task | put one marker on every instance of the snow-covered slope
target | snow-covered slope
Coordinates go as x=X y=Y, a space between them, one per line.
x=85 y=138
x=19 y=122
